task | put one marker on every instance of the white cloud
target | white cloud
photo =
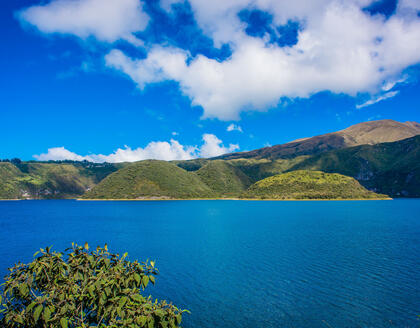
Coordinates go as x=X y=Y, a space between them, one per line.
x=389 y=85
x=213 y=146
x=59 y=154
x=377 y=99
x=234 y=127
x=175 y=134
x=106 y=20
x=341 y=49
x=162 y=150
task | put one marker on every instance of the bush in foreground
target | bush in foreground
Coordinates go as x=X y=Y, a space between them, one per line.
x=82 y=288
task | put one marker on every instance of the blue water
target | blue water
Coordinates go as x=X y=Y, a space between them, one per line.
x=248 y=263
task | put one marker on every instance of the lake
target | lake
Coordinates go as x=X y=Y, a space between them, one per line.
x=248 y=263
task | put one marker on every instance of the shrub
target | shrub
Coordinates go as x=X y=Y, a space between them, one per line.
x=82 y=288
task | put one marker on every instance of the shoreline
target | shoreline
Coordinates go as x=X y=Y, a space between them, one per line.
x=198 y=199
x=238 y=199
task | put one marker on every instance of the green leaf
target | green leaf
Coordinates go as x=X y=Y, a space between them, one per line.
x=152 y=279
x=178 y=319
x=91 y=290
x=64 y=322
x=37 y=312
x=122 y=301
x=30 y=306
x=137 y=278
x=136 y=297
x=47 y=314
x=145 y=281
x=23 y=289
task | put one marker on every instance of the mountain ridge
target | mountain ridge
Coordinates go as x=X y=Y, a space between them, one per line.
x=371 y=132
x=391 y=168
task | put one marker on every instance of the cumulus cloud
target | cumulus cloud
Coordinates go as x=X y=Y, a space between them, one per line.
x=59 y=154
x=213 y=146
x=162 y=150
x=377 y=99
x=234 y=127
x=106 y=20
x=341 y=48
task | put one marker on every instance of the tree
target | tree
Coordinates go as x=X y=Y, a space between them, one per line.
x=81 y=288
x=16 y=161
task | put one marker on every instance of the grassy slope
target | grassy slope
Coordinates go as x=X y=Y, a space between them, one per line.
x=309 y=185
x=223 y=178
x=9 y=186
x=389 y=168
x=150 y=179
x=50 y=180
x=258 y=169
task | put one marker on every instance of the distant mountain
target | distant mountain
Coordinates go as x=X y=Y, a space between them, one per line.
x=370 y=133
x=303 y=184
x=390 y=168
x=361 y=152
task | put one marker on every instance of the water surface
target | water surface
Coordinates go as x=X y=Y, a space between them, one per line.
x=248 y=263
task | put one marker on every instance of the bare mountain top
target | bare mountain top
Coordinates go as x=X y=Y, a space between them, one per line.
x=371 y=132
x=374 y=132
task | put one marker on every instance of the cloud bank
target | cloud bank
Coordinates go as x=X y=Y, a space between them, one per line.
x=341 y=48
x=162 y=150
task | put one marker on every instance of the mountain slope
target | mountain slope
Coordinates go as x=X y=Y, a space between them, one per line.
x=309 y=185
x=390 y=168
x=150 y=179
x=9 y=185
x=31 y=180
x=223 y=178
x=372 y=132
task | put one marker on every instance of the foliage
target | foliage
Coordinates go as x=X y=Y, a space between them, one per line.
x=258 y=169
x=9 y=187
x=223 y=178
x=309 y=185
x=50 y=180
x=150 y=179
x=391 y=168
x=388 y=168
x=83 y=288
x=191 y=164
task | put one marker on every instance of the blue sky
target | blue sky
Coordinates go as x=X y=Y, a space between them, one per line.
x=125 y=73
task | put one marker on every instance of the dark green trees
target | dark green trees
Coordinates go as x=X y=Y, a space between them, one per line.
x=82 y=288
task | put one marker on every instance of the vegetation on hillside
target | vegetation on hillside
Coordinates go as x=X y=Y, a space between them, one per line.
x=9 y=183
x=258 y=169
x=309 y=185
x=50 y=180
x=390 y=168
x=224 y=179
x=82 y=288
x=150 y=179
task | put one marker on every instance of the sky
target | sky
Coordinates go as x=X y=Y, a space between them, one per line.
x=127 y=80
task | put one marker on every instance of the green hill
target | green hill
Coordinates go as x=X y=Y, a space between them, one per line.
x=32 y=180
x=150 y=179
x=223 y=178
x=309 y=185
x=390 y=168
